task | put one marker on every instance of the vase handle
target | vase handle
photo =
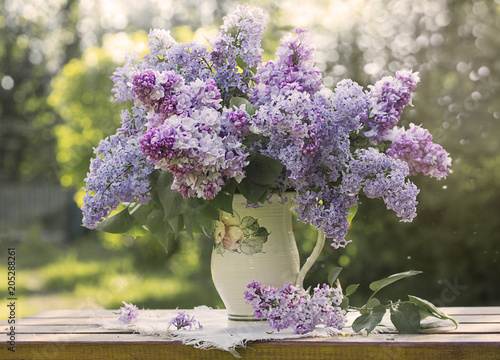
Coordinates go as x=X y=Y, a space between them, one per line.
x=320 y=242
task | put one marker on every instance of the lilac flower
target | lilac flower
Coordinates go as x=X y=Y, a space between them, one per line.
x=294 y=307
x=122 y=77
x=416 y=148
x=237 y=50
x=389 y=96
x=184 y=322
x=237 y=122
x=128 y=313
x=157 y=143
x=327 y=210
x=382 y=176
x=293 y=69
x=159 y=43
x=119 y=172
x=197 y=150
x=182 y=123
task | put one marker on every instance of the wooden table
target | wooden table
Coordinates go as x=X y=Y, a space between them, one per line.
x=68 y=334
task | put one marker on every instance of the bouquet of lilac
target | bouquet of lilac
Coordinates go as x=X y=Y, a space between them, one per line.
x=211 y=120
x=292 y=306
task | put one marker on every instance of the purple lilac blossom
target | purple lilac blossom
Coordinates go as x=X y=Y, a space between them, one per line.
x=291 y=306
x=183 y=322
x=379 y=175
x=237 y=121
x=237 y=50
x=389 y=97
x=122 y=77
x=119 y=172
x=128 y=313
x=159 y=91
x=327 y=210
x=292 y=69
x=308 y=127
x=415 y=147
x=193 y=150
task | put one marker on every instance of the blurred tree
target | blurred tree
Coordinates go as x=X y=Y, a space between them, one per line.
x=81 y=96
x=35 y=39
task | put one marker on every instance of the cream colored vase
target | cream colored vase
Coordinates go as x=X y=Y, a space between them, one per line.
x=256 y=244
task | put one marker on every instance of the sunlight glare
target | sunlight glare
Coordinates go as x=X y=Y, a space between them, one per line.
x=336 y=15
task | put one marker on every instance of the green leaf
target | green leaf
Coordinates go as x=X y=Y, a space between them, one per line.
x=259 y=236
x=352 y=211
x=209 y=212
x=406 y=318
x=431 y=308
x=157 y=225
x=118 y=223
x=177 y=224
x=140 y=214
x=252 y=191
x=238 y=101
x=249 y=225
x=372 y=303
x=344 y=305
x=263 y=170
x=241 y=63
x=252 y=247
x=351 y=289
x=370 y=320
x=379 y=284
x=224 y=198
x=333 y=275
x=172 y=200
x=369 y=306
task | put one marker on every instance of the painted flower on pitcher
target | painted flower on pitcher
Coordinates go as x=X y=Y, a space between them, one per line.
x=244 y=236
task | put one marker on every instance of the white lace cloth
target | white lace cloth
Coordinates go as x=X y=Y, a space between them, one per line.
x=218 y=332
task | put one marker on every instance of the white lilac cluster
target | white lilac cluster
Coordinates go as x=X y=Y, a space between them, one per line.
x=331 y=142
x=119 y=172
x=291 y=306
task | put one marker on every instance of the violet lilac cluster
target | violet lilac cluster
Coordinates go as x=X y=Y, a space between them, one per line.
x=389 y=96
x=187 y=135
x=415 y=146
x=128 y=313
x=310 y=129
x=184 y=322
x=119 y=172
x=236 y=51
x=291 y=306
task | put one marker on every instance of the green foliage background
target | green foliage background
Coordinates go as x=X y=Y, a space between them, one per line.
x=59 y=108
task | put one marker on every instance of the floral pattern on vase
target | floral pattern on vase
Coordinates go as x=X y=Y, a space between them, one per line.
x=244 y=236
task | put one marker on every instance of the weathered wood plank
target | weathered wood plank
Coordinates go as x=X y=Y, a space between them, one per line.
x=485 y=328
x=280 y=350
x=70 y=334
x=371 y=339
x=471 y=310
x=43 y=321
